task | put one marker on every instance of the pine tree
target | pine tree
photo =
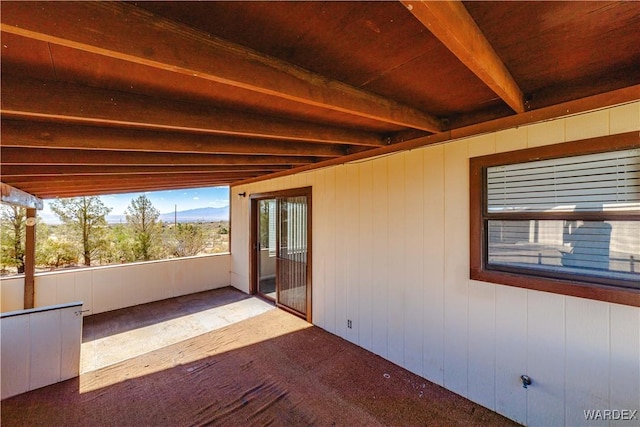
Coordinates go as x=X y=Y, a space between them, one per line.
x=85 y=219
x=142 y=217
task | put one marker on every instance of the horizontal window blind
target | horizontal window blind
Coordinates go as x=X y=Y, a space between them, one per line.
x=608 y=181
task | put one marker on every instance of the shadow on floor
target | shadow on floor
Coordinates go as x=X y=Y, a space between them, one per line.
x=273 y=368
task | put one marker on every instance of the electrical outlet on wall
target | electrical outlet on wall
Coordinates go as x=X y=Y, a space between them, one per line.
x=349 y=324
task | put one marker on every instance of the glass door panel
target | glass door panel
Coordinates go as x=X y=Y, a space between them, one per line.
x=266 y=248
x=292 y=253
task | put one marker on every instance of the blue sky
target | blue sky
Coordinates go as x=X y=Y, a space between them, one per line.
x=165 y=201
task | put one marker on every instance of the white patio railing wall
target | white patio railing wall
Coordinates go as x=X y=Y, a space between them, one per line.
x=40 y=347
x=118 y=286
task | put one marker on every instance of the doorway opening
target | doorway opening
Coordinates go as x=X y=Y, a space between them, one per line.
x=281 y=249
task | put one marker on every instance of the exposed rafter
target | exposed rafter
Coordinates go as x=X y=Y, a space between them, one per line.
x=450 y=22
x=92 y=180
x=104 y=97
x=44 y=156
x=127 y=33
x=94 y=190
x=616 y=97
x=99 y=107
x=17 y=133
x=15 y=171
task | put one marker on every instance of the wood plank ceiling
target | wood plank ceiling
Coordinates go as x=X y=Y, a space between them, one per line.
x=111 y=97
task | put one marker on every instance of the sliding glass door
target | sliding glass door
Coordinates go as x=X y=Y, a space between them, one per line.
x=281 y=243
x=266 y=256
x=292 y=253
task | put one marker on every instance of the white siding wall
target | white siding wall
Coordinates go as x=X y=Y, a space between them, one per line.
x=40 y=348
x=391 y=253
x=113 y=287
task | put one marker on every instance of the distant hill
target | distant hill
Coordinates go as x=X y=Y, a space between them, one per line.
x=198 y=215
x=191 y=215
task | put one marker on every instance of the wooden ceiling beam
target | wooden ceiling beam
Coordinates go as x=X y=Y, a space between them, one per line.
x=53 y=193
x=14 y=196
x=65 y=102
x=127 y=33
x=15 y=171
x=91 y=180
x=50 y=193
x=19 y=133
x=452 y=24
x=44 y=156
x=64 y=187
x=599 y=101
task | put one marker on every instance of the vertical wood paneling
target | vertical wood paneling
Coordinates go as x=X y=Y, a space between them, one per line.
x=380 y=271
x=396 y=260
x=624 y=382
x=127 y=285
x=456 y=267
x=240 y=227
x=343 y=234
x=587 y=358
x=39 y=348
x=319 y=250
x=587 y=125
x=625 y=118
x=66 y=288
x=157 y=284
x=84 y=290
x=413 y=261
x=15 y=344
x=482 y=344
x=433 y=262
x=46 y=290
x=71 y=341
x=216 y=269
x=107 y=289
x=141 y=293
x=511 y=352
x=545 y=133
x=481 y=356
x=211 y=273
x=12 y=294
x=546 y=361
x=365 y=262
x=511 y=139
x=396 y=254
x=178 y=274
x=352 y=249
x=45 y=348
x=481 y=145
x=329 y=234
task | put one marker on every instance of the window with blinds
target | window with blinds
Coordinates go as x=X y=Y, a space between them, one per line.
x=573 y=219
x=596 y=182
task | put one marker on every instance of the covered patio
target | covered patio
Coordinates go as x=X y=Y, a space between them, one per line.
x=223 y=358
x=361 y=136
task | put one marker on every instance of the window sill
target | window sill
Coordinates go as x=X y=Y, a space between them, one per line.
x=625 y=296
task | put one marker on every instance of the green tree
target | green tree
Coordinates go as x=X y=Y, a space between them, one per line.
x=188 y=240
x=85 y=220
x=12 y=225
x=54 y=251
x=142 y=217
x=121 y=244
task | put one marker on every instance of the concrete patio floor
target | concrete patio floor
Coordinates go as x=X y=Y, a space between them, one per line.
x=115 y=336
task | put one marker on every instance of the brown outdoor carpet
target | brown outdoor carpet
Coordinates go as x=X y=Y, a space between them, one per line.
x=272 y=369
